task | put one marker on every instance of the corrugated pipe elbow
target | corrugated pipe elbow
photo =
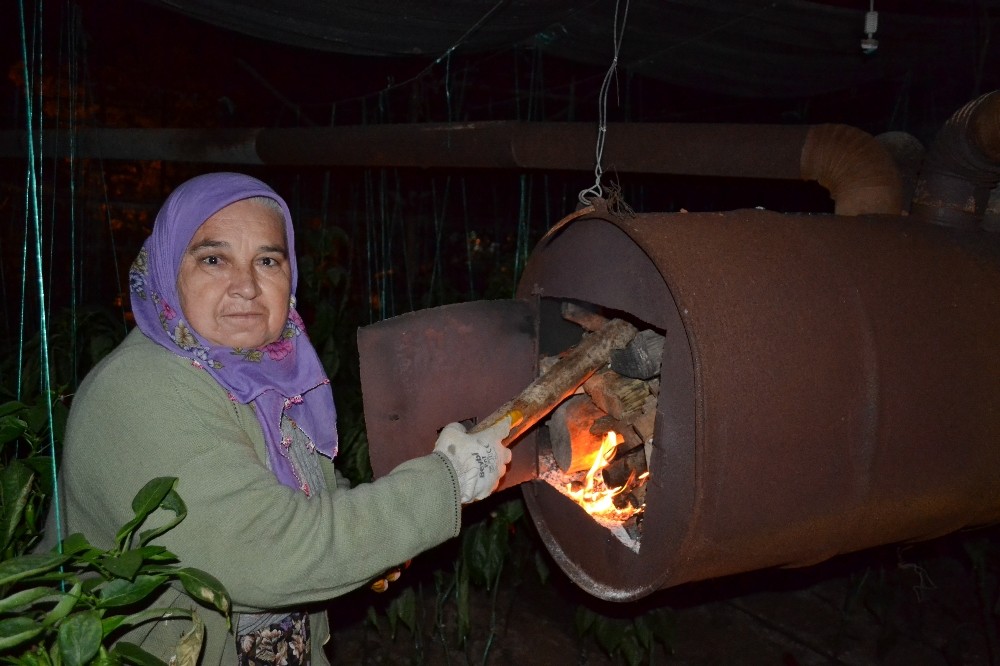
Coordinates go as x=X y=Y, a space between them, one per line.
x=858 y=171
x=962 y=166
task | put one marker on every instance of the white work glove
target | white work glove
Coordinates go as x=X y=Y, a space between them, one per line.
x=479 y=459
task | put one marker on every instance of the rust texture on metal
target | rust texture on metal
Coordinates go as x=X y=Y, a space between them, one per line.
x=829 y=384
x=962 y=166
x=858 y=171
x=423 y=370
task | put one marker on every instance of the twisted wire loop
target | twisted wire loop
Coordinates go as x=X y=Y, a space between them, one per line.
x=596 y=190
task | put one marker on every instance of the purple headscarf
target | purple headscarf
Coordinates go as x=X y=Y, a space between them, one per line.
x=284 y=377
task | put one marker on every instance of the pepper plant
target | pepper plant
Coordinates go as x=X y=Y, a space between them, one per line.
x=67 y=607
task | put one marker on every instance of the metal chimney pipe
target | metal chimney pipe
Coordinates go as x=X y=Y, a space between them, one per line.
x=962 y=166
x=851 y=164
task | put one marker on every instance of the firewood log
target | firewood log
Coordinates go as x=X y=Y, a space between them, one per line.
x=641 y=358
x=587 y=320
x=644 y=423
x=628 y=439
x=574 y=443
x=621 y=397
x=572 y=370
x=625 y=468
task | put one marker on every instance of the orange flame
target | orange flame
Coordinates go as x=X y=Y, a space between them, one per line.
x=594 y=496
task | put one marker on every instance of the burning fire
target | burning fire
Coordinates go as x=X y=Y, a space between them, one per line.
x=593 y=495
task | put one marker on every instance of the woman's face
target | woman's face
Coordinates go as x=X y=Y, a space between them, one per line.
x=235 y=279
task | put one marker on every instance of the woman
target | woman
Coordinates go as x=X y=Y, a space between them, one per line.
x=219 y=386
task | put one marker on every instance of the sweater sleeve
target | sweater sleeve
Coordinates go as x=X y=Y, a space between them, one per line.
x=145 y=414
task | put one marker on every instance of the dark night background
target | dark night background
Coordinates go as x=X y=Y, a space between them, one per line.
x=377 y=242
x=107 y=63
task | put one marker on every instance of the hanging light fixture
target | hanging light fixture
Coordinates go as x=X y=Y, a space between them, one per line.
x=869 y=44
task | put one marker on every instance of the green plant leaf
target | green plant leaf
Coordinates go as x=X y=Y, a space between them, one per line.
x=583 y=620
x=66 y=603
x=609 y=634
x=37 y=416
x=146 y=501
x=80 y=638
x=121 y=592
x=663 y=624
x=42 y=467
x=24 y=598
x=541 y=567
x=16 y=630
x=11 y=427
x=632 y=651
x=75 y=544
x=105 y=658
x=110 y=623
x=484 y=546
x=642 y=631
x=372 y=618
x=462 y=602
x=404 y=607
x=130 y=653
x=171 y=502
x=15 y=487
x=113 y=622
x=125 y=565
x=29 y=565
x=156 y=554
x=205 y=588
x=60 y=414
x=10 y=407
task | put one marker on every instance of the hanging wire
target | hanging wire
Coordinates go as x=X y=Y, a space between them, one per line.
x=523 y=229
x=596 y=191
x=33 y=215
x=470 y=239
x=73 y=41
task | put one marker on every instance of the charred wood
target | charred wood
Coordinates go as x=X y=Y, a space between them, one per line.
x=641 y=358
x=625 y=469
x=586 y=319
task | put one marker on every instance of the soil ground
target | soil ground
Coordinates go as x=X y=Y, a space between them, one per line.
x=933 y=604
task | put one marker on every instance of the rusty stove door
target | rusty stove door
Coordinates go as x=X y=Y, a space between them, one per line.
x=425 y=369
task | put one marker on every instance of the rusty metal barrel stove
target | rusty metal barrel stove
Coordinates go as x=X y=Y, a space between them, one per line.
x=829 y=384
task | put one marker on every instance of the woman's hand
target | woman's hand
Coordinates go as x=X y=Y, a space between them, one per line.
x=479 y=459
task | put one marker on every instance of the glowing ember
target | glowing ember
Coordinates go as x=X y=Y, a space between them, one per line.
x=593 y=495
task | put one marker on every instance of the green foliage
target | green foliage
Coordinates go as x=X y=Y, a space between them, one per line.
x=66 y=608
x=77 y=340
x=325 y=300
x=984 y=556
x=633 y=638
x=26 y=480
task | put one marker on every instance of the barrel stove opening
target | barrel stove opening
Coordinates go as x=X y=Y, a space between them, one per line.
x=595 y=446
x=588 y=272
x=798 y=414
x=826 y=384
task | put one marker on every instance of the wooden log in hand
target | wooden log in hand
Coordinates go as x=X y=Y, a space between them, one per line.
x=572 y=370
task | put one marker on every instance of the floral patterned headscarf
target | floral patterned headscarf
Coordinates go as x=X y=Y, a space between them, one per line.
x=281 y=378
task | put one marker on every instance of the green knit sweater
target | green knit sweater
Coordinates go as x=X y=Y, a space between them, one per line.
x=144 y=412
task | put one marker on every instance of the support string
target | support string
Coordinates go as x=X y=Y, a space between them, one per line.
x=33 y=215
